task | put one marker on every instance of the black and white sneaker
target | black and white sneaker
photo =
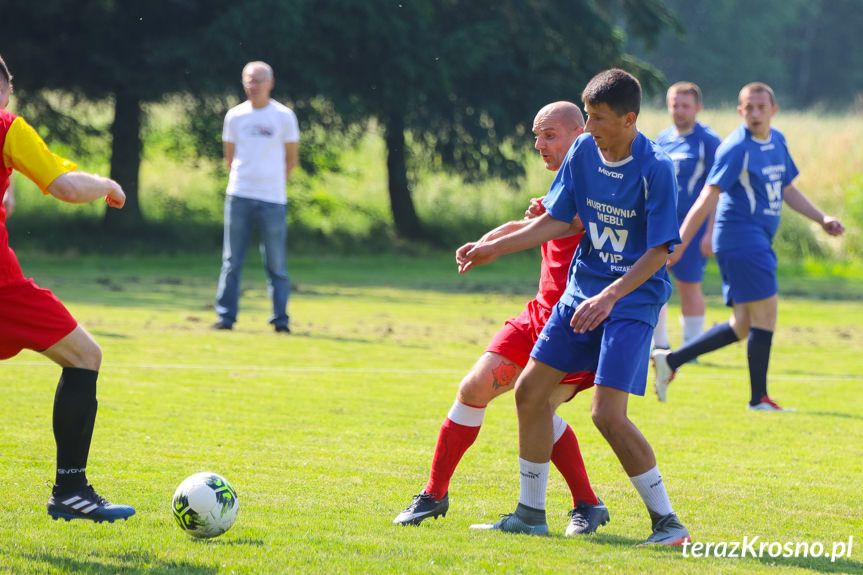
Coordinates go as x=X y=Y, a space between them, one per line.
x=422 y=507
x=584 y=518
x=86 y=504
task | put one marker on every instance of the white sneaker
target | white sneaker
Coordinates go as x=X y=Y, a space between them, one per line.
x=663 y=371
x=768 y=404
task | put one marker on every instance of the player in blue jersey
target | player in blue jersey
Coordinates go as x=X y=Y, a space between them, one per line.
x=692 y=146
x=622 y=186
x=752 y=175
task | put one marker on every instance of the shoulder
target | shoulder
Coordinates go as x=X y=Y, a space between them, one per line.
x=649 y=153
x=666 y=134
x=239 y=110
x=707 y=133
x=581 y=147
x=734 y=142
x=6 y=119
x=778 y=137
x=280 y=108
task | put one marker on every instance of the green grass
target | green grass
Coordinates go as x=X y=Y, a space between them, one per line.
x=327 y=433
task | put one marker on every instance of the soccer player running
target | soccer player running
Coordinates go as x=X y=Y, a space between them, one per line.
x=622 y=187
x=691 y=146
x=33 y=318
x=556 y=127
x=752 y=175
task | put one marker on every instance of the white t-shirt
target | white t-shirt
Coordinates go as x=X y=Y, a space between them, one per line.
x=259 y=137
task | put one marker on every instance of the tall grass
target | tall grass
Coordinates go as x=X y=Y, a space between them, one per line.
x=347 y=208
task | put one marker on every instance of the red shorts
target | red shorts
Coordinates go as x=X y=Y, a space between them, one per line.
x=515 y=340
x=31 y=318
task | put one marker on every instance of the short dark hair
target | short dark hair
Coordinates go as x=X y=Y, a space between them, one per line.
x=686 y=88
x=617 y=88
x=755 y=87
x=5 y=76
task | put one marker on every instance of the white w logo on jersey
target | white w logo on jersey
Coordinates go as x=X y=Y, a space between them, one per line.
x=774 y=191
x=617 y=237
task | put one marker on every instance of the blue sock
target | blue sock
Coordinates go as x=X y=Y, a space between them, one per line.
x=758 y=353
x=717 y=336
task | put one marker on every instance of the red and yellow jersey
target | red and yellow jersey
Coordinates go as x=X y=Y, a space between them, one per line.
x=23 y=150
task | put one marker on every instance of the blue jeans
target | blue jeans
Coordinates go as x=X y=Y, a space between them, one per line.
x=241 y=215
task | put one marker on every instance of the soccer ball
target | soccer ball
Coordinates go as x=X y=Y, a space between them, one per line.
x=205 y=505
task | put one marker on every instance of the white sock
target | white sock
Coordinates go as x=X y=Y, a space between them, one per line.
x=660 y=332
x=652 y=490
x=692 y=326
x=534 y=478
x=559 y=427
x=466 y=415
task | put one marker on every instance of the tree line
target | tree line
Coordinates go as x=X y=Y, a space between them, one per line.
x=456 y=78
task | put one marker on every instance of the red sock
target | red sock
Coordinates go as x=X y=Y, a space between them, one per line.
x=567 y=458
x=452 y=443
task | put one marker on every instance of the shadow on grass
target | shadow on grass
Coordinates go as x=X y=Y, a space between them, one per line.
x=820 y=564
x=232 y=542
x=833 y=414
x=139 y=563
x=617 y=540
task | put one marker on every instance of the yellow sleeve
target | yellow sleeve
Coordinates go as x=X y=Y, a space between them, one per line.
x=25 y=151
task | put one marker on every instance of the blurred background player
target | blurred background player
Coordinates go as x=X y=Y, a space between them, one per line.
x=752 y=175
x=33 y=318
x=260 y=139
x=692 y=147
x=622 y=187
x=556 y=127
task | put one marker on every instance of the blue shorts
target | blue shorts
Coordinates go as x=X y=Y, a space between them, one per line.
x=690 y=267
x=618 y=350
x=747 y=274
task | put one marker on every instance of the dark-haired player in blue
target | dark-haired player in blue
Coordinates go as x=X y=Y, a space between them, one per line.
x=751 y=177
x=621 y=185
x=691 y=146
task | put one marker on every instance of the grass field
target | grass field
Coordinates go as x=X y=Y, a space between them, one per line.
x=327 y=433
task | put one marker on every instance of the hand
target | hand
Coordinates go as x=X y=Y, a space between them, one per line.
x=832 y=226
x=474 y=254
x=674 y=256
x=706 y=246
x=535 y=209
x=116 y=198
x=591 y=312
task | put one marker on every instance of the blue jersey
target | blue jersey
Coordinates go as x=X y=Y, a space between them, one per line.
x=692 y=154
x=626 y=207
x=752 y=175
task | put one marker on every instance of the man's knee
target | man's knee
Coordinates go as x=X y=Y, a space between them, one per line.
x=78 y=349
x=607 y=417
x=529 y=396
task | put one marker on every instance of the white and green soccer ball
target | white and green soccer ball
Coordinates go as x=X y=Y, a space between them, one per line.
x=205 y=505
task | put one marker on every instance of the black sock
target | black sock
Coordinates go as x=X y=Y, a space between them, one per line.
x=758 y=353
x=74 y=417
x=717 y=336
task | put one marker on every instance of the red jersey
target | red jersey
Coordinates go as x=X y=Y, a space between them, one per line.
x=21 y=148
x=10 y=270
x=556 y=257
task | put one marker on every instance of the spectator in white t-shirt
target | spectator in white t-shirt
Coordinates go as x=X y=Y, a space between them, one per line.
x=261 y=143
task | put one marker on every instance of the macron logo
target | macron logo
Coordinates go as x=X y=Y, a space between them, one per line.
x=610 y=174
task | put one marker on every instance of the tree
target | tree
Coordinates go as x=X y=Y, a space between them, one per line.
x=809 y=51
x=462 y=76
x=129 y=52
